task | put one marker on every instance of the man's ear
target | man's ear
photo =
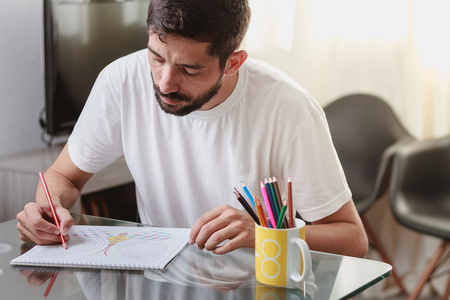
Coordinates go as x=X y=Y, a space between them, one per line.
x=234 y=62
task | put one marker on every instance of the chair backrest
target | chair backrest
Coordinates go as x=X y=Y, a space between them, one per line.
x=420 y=186
x=363 y=128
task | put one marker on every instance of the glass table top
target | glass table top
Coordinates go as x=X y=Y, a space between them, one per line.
x=193 y=274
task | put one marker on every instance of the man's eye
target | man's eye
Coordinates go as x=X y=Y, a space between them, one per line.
x=190 y=72
x=157 y=61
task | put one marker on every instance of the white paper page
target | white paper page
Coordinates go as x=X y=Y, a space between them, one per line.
x=111 y=247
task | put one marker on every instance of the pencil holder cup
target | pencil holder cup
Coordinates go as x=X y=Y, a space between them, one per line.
x=282 y=257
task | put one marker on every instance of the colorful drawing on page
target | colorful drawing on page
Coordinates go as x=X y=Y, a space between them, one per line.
x=114 y=240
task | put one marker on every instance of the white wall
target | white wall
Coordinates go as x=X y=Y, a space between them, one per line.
x=21 y=75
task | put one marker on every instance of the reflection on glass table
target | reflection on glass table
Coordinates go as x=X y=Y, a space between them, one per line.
x=193 y=274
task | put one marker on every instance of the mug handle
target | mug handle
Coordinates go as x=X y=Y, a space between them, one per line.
x=306 y=256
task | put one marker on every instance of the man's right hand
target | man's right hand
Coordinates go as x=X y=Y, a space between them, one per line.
x=36 y=223
x=65 y=182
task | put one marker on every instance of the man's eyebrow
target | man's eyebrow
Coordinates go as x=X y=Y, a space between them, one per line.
x=153 y=51
x=194 y=66
x=189 y=66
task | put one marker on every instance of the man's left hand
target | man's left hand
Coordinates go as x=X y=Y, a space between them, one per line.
x=220 y=224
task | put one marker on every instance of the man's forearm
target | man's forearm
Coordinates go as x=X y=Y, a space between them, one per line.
x=340 y=238
x=62 y=190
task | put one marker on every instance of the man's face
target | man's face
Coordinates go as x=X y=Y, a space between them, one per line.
x=185 y=77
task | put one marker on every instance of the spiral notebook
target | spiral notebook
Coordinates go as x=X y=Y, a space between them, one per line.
x=110 y=247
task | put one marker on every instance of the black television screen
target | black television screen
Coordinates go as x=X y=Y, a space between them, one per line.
x=81 y=37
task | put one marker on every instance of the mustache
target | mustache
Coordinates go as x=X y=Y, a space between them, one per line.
x=173 y=96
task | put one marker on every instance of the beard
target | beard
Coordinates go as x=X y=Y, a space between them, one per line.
x=187 y=104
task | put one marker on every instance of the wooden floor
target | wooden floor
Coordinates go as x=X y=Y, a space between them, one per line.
x=403 y=297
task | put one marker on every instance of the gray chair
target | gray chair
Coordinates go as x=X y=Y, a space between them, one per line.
x=420 y=198
x=366 y=134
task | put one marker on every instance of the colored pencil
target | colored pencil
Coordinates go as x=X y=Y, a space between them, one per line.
x=268 y=206
x=50 y=284
x=291 y=208
x=50 y=203
x=261 y=214
x=277 y=192
x=258 y=212
x=274 y=199
x=272 y=203
x=282 y=213
x=246 y=205
x=246 y=190
x=243 y=199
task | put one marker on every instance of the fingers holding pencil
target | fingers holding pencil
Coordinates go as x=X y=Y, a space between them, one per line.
x=36 y=224
x=52 y=208
x=65 y=219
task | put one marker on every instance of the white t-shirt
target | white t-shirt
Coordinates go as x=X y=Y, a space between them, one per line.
x=185 y=166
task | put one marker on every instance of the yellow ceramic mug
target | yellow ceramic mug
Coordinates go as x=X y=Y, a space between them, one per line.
x=282 y=257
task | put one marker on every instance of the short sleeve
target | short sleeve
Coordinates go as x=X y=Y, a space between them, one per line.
x=96 y=139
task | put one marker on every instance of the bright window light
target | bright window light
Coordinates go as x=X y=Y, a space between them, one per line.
x=272 y=24
x=360 y=19
x=431 y=23
x=285 y=23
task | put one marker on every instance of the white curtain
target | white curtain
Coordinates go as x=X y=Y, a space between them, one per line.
x=398 y=50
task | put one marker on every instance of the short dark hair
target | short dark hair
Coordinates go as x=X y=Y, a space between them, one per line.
x=222 y=23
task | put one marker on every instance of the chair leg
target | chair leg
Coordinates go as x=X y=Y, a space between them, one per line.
x=383 y=254
x=102 y=201
x=428 y=271
x=447 y=290
x=83 y=209
x=96 y=206
x=93 y=206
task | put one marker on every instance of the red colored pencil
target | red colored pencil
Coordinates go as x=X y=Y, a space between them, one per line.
x=291 y=208
x=50 y=203
x=50 y=284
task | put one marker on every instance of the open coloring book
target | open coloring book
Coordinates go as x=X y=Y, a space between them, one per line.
x=110 y=247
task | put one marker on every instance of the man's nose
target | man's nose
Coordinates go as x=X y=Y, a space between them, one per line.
x=169 y=82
